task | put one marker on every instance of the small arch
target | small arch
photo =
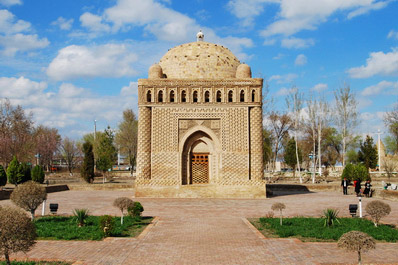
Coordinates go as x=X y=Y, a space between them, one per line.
x=253 y=95
x=183 y=96
x=149 y=96
x=242 y=96
x=160 y=96
x=207 y=96
x=218 y=96
x=195 y=96
x=230 y=96
x=172 y=96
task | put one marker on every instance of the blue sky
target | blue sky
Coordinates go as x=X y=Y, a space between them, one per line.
x=70 y=62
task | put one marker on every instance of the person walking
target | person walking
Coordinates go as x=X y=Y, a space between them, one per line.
x=344 y=184
x=357 y=185
x=367 y=188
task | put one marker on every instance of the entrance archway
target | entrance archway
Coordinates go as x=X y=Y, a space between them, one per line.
x=197 y=159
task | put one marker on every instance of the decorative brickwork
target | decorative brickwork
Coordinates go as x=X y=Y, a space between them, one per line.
x=190 y=111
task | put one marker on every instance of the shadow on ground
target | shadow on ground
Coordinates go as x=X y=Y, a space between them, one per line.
x=275 y=190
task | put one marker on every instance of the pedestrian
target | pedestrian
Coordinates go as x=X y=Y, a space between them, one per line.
x=344 y=184
x=357 y=186
x=367 y=188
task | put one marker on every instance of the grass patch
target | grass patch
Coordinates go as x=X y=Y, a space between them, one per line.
x=65 y=228
x=35 y=263
x=313 y=229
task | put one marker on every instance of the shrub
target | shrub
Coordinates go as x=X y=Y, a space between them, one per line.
x=356 y=241
x=18 y=233
x=107 y=224
x=361 y=173
x=29 y=196
x=136 y=210
x=3 y=176
x=269 y=214
x=87 y=169
x=330 y=216
x=38 y=174
x=13 y=174
x=348 y=172
x=81 y=216
x=377 y=210
x=278 y=206
x=123 y=203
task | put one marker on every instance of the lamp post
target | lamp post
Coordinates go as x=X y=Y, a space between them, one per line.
x=378 y=148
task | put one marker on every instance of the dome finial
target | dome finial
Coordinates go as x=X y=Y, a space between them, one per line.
x=200 y=36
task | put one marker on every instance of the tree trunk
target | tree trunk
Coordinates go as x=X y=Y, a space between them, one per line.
x=359 y=257
x=298 y=160
x=7 y=257
x=121 y=219
x=280 y=219
x=344 y=132
x=32 y=212
x=319 y=147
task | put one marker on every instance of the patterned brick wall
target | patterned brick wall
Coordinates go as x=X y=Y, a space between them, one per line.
x=256 y=145
x=144 y=144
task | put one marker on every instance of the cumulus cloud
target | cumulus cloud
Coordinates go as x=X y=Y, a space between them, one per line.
x=110 y=60
x=94 y=23
x=366 y=9
x=393 y=35
x=11 y=87
x=63 y=23
x=383 y=86
x=130 y=90
x=297 y=43
x=20 y=43
x=319 y=87
x=10 y=2
x=301 y=59
x=10 y=25
x=379 y=63
x=247 y=10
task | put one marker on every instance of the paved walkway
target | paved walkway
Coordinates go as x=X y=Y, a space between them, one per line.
x=206 y=231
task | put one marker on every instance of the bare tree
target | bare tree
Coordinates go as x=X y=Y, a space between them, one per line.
x=278 y=206
x=18 y=233
x=294 y=103
x=356 y=241
x=47 y=141
x=377 y=210
x=390 y=164
x=123 y=203
x=280 y=126
x=126 y=137
x=346 y=114
x=391 y=121
x=70 y=152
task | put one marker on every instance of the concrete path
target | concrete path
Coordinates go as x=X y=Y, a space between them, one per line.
x=206 y=231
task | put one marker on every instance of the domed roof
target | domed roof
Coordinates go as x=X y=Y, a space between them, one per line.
x=199 y=60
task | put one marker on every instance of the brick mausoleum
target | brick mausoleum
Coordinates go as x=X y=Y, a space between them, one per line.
x=200 y=126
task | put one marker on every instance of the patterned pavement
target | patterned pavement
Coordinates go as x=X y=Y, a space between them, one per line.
x=206 y=231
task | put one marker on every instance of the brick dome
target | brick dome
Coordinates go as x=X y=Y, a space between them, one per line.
x=200 y=59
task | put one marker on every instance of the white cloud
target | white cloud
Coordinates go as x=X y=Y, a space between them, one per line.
x=110 y=60
x=278 y=56
x=319 y=87
x=68 y=90
x=269 y=42
x=10 y=2
x=11 y=87
x=298 y=15
x=366 y=116
x=393 y=35
x=383 y=86
x=63 y=23
x=10 y=25
x=285 y=91
x=247 y=10
x=301 y=59
x=283 y=79
x=130 y=90
x=297 y=43
x=379 y=63
x=94 y=23
x=366 y=9
x=20 y=43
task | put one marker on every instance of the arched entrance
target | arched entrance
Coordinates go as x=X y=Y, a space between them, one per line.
x=197 y=159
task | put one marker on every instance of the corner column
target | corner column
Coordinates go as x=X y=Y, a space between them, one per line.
x=256 y=143
x=144 y=144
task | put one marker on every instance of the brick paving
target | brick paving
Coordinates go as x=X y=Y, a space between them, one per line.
x=206 y=231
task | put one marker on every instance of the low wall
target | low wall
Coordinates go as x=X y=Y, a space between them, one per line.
x=5 y=194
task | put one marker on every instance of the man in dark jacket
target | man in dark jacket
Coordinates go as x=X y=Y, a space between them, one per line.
x=344 y=184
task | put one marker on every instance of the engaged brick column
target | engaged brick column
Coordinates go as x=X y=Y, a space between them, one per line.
x=256 y=143
x=144 y=144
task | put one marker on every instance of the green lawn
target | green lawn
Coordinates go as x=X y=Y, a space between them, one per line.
x=313 y=229
x=65 y=228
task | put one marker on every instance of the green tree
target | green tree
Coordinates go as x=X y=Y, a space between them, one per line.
x=13 y=173
x=367 y=153
x=361 y=173
x=267 y=145
x=391 y=145
x=348 y=172
x=25 y=172
x=107 y=154
x=352 y=156
x=290 y=155
x=391 y=121
x=126 y=137
x=87 y=169
x=38 y=174
x=3 y=176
